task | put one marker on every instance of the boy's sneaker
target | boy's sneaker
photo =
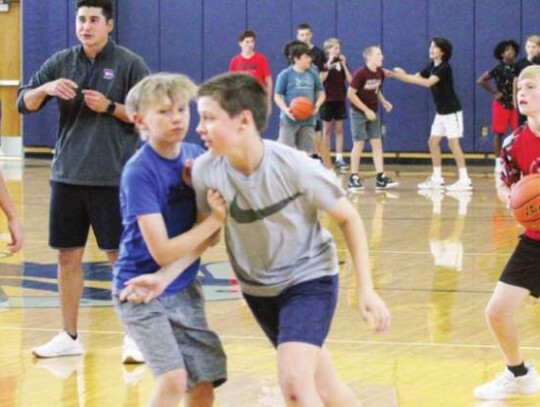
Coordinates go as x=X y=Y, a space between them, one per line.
x=131 y=354
x=341 y=165
x=61 y=345
x=385 y=182
x=461 y=185
x=354 y=184
x=432 y=183
x=506 y=384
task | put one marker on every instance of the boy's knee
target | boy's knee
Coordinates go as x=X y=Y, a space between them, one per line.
x=202 y=395
x=173 y=382
x=495 y=313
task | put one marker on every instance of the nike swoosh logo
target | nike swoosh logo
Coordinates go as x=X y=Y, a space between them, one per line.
x=253 y=215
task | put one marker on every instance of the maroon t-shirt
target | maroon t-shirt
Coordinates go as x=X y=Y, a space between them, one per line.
x=368 y=84
x=334 y=85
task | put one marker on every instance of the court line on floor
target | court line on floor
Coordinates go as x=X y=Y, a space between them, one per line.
x=330 y=341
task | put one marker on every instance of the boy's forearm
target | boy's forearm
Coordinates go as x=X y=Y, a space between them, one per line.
x=356 y=241
x=34 y=98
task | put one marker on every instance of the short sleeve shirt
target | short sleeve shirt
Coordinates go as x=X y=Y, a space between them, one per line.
x=444 y=96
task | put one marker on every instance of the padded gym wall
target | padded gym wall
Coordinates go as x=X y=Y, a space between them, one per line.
x=199 y=38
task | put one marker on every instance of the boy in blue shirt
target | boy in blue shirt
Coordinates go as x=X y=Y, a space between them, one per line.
x=159 y=215
x=299 y=79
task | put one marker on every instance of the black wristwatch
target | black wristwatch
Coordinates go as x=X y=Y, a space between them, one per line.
x=111 y=108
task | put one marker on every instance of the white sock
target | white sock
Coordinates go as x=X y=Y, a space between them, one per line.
x=437 y=172
x=437 y=206
x=463 y=173
x=339 y=157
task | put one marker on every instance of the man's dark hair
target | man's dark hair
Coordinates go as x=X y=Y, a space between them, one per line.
x=501 y=47
x=303 y=26
x=104 y=5
x=236 y=92
x=247 y=34
x=287 y=48
x=445 y=46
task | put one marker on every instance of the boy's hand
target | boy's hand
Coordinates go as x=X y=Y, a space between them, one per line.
x=186 y=172
x=387 y=106
x=15 y=231
x=142 y=289
x=217 y=204
x=373 y=309
x=289 y=114
x=370 y=115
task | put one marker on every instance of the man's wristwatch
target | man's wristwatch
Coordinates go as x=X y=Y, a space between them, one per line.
x=111 y=108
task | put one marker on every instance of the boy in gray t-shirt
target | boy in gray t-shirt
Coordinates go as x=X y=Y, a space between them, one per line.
x=285 y=261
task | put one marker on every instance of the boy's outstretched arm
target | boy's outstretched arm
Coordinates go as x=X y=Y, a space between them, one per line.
x=7 y=206
x=350 y=223
x=401 y=75
x=149 y=286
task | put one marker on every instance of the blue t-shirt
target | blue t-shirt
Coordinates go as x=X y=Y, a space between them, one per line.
x=291 y=83
x=153 y=184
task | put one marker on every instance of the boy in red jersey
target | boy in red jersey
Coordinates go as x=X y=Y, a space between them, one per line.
x=521 y=156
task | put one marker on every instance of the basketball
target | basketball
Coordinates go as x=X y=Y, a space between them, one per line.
x=525 y=201
x=301 y=108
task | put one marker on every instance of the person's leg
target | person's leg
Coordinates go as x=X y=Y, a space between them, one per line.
x=338 y=131
x=457 y=152
x=376 y=148
x=287 y=133
x=500 y=314
x=434 y=144
x=297 y=364
x=356 y=155
x=306 y=139
x=327 y=134
x=332 y=391
x=169 y=389
x=70 y=287
x=202 y=395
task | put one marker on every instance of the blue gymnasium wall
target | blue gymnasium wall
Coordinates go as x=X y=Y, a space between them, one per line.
x=199 y=38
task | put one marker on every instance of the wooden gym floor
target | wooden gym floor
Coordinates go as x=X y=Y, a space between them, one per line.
x=436 y=270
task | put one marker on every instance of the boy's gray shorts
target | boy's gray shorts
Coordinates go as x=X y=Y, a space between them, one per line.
x=363 y=129
x=172 y=333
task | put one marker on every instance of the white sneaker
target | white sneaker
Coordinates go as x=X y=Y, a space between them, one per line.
x=61 y=345
x=461 y=185
x=506 y=384
x=131 y=353
x=432 y=183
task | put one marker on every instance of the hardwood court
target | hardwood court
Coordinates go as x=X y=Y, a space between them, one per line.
x=436 y=269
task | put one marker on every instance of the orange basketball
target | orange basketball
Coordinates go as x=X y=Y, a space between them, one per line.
x=525 y=201
x=301 y=108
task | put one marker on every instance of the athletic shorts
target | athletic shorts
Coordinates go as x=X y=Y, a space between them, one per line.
x=74 y=208
x=296 y=135
x=333 y=111
x=448 y=125
x=523 y=267
x=503 y=118
x=363 y=129
x=172 y=333
x=301 y=313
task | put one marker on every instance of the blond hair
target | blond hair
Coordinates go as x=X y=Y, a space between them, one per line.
x=531 y=72
x=534 y=38
x=367 y=52
x=330 y=42
x=157 y=87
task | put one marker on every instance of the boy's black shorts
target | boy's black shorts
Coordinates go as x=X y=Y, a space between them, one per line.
x=333 y=111
x=523 y=267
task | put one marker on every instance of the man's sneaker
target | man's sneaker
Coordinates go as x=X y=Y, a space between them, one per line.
x=461 y=185
x=385 y=182
x=131 y=353
x=506 y=384
x=341 y=165
x=354 y=184
x=61 y=345
x=432 y=183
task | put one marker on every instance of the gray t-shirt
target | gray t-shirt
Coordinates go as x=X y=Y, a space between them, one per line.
x=91 y=148
x=273 y=236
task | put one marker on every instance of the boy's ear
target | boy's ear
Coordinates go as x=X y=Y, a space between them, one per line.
x=138 y=120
